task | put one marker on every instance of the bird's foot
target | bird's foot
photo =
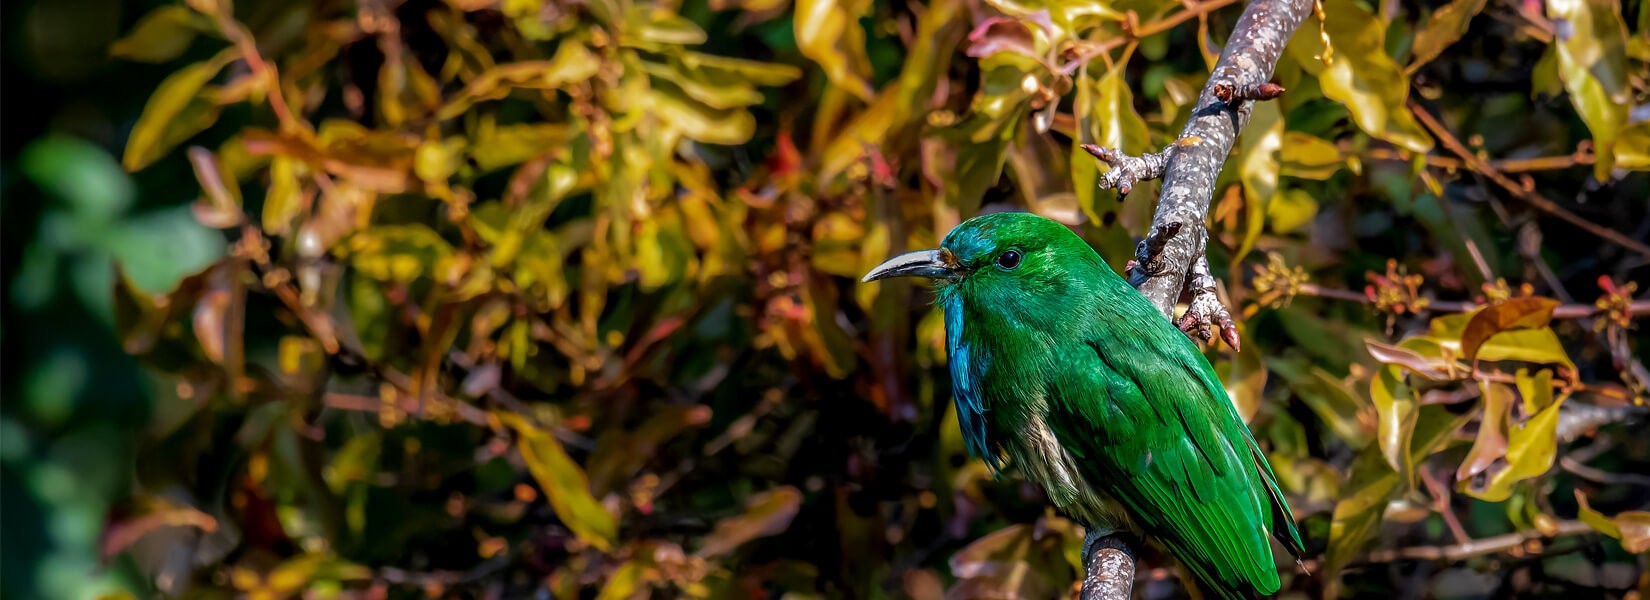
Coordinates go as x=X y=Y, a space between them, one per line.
x=1205 y=313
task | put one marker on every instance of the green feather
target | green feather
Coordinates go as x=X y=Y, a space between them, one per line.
x=1082 y=384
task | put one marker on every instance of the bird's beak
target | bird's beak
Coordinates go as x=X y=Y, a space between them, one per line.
x=930 y=264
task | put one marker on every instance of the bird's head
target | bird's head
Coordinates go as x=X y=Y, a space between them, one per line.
x=1008 y=251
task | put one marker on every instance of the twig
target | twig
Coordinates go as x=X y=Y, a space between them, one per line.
x=1520 y=542
x=1526 y=194
x=1597 y=475
x=1505 y=165
x=1189 y=178
x=1128 y=170
x=1639 y=308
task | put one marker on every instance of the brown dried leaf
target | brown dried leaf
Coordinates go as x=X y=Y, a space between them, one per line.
x=765 y=514
x=1517 y=313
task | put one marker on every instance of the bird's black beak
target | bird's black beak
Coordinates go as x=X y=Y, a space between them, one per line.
x=930 y=264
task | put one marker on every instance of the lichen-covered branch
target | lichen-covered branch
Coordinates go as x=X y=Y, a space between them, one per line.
x=1109 y=568
x=1178 y=238
x=1128 y=170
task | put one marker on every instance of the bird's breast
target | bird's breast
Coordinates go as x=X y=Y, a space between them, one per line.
x=1044 y=460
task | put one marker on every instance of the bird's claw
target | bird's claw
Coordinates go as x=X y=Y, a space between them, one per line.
x=1205 y=313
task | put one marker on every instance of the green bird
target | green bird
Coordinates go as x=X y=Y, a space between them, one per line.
x=1061 y=367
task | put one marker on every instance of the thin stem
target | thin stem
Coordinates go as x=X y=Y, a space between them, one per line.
x=1526 y=194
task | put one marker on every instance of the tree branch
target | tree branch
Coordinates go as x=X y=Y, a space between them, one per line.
x=1165 y=259
x=1109 y=564
x=1178 y=236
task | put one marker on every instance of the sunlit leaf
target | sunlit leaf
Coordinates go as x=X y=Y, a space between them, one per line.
x=829 y=33
x=1290 y=211
x=1517 y=313
x=1631 y=527
x=982 y=137
x=1531 y=447
x=285 y=200
x=696 y=120
x=563 y=482
x=1361 y=76
x=396 y=252
x=1308 y=156
x=175 y=112
x=1633 y=148
x=1395 y=409
x=1592 y=63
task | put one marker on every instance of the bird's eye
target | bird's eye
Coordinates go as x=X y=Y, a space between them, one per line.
x=1010 y=259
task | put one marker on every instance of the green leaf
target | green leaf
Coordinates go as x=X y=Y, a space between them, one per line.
x=399 y=253
x=725 y=93
x=1531 y=448
x=755 y=72
x=177 y=111
x=1258 y=169
x=829 y=33
x=1371 y=484
x=563 y=482
x=1633 y=147
x=1516 y=313
x=162 y=35
x=1362 y=77
x=284 y=202
x=496 y=147
x=981 y=139
x=1544 y=81
x=1528 y=345
x=1395 y=408
x=1592 y=62
x=1308 y=156
x=1332 y=399
x=1631 y=527
x=667 y=27
x=1446 y=25
x=1291 y=210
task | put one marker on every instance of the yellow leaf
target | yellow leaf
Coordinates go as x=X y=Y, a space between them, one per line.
x=175 y=112
x=1258 y=168
x=1633 y=147
x=1592 y=62
x=829 y=33
x=162 y=35
x=563 y=482
x=1362 y=77
x=1308 y=157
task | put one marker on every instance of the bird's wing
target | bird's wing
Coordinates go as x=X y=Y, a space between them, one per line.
x=1141 y=415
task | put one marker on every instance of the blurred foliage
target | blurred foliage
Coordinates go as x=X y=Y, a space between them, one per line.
x=503 y=298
